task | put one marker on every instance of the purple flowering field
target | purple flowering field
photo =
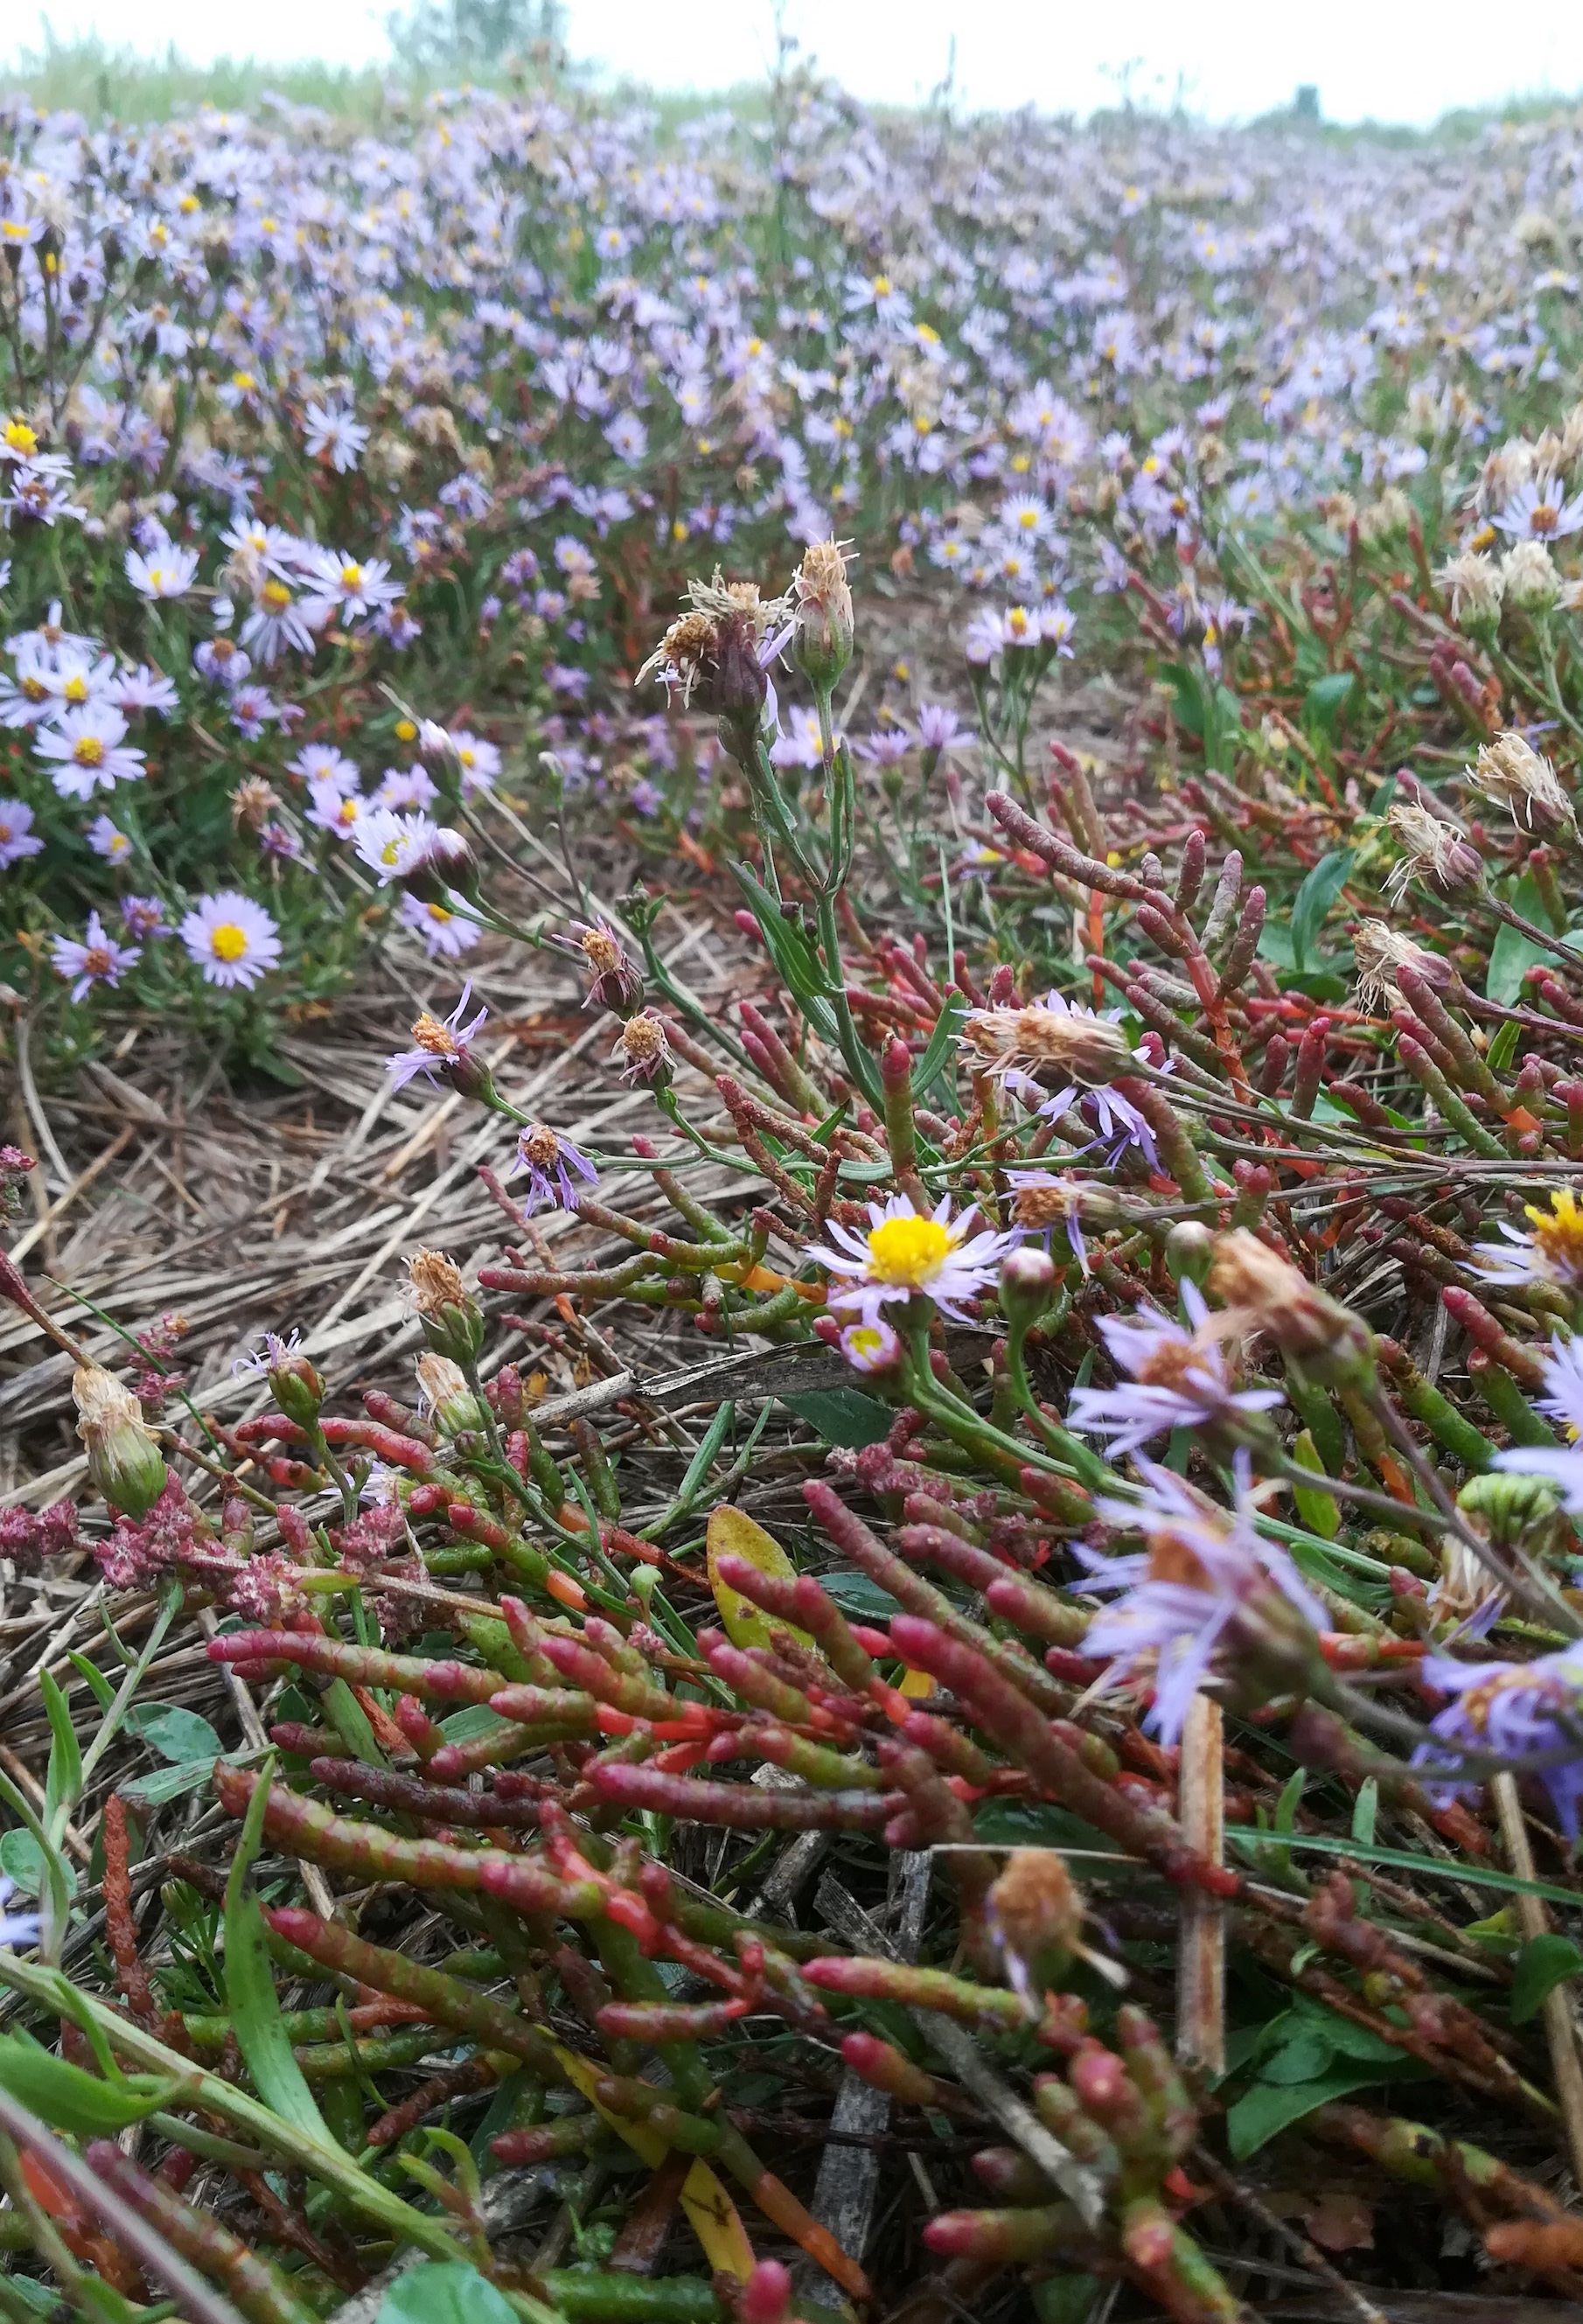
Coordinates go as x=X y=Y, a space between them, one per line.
x=791 y=1521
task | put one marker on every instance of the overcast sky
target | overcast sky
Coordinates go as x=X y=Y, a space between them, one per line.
x=1393 y=60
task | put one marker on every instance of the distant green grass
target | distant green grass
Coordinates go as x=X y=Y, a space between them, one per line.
x=87 y=75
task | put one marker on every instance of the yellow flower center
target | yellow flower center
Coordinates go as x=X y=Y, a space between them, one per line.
x=429 y=1034
x=1557 y=1235
x=405 y=730
x=1545 y=519
x=228 y=942
x=908 y=1251
x=1028 y=519
x=391 y=853
x=880 y=286
x=867 y=1340
x=88 y=752
x=244 y=379
x=276 y=596
x=438 y=914
x=468 y=758
x=75 y=690
x=351 y=576
x=20 y=437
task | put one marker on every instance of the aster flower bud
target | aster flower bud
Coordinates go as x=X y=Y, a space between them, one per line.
x=1475 y=586
x=1262 y=1292
x=452 y=1319
x=1027 y=1279
x=445 y=1392
x=822 y=615
x=296 y=1386
x=122 y=1457
x=1528 y=579
x=1189 y=1249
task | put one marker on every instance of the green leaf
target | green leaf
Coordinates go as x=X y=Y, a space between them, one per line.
x=161 y=1786
x=1271 y=2107
x=1541 y=1964
x=24 y=1861
x=98 y=1685
x=63 y=1777
x=177 y=1734
x=71 y=2101
x=1513 y=954
x=250 y=1988
x=1325 y=703
x=947 y=1027
x=1302 y=2059
x=1188 y=689
x=445 y=2292
x=1318 y=892
x=1503 y=1047
x=857 y=1595
x=467 y=1726
x=842 y=1415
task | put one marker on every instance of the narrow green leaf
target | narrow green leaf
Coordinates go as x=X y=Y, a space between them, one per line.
x=69 y=2099
x=250 y=1987
x=1466 y=1875
x=63 y=1778
x=98 y=1685
x=1503 y=1047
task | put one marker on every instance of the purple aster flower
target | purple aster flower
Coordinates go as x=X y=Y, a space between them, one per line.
x=441 y=1045
x=549 y=1158
x=939 y=728
x=97 y=960
x=1206 y=1583
x=1178 y=1380
x=870 y=1347
x=1517 y=1709
x=144 y=917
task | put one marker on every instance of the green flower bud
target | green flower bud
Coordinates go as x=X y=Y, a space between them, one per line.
x=451 y=1318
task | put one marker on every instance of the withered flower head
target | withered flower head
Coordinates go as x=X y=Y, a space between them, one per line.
x=1072 y=1043
x=1474 y=584
x=1035 y=1911
x=1437 y=853
x=644 y=1050
x=1380 y=951
x=719 y=639
x=1261 y=1292
x=252 y=801
x=452 y=1319
x=444 y=1388
x=124 y=1460
x=617 y=986
x=822 y=614
x=436 y=1282
x=1511 y=773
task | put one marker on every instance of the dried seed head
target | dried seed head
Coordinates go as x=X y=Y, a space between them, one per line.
x=1511 y=773
x=1474 y=584
x=1380 y=951
x=1437 y=853
x=720 y=633
x=1529 y=577
x=644 y=1050
x=1073 y=1045
x=1260 y=1291
x=122 y=1457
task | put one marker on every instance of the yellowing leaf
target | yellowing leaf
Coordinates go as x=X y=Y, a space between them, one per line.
x=715 y=2219
x=733 y=1534
x=915 y=1684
